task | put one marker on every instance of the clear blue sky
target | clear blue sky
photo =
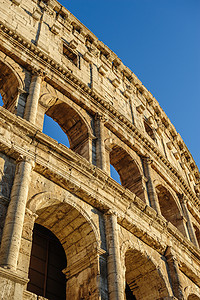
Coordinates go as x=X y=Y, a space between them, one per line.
x=159 y=40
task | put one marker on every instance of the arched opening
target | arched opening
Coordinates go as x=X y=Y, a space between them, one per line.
x=114 y=174
x=1 y=100
x=128 y=171
x=75 y=127
x=78 y=240
x=193 y=297
x=52 y=129
x=46 y=264
x=149 y=130
x=143 y=279
x=9 y=86
x=197 y=233
x=169 y=208
x=129 y=293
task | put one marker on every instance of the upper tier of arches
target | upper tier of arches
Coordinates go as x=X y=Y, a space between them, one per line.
x=79 y=126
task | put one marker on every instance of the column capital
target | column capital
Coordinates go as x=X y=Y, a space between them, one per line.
x=184 y=199
x=22 y=91
x=147 y=159
x=30 y=213
x=108 y=148
x=102 y=252
x=170 y=255
x=100 y=117
x=25 y=158
x=111 y=212
x=38 y=72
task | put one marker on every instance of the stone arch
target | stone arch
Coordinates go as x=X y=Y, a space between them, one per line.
x=46 y=199
x=192 y=292
x=143 y=273
x=47 y=261
x=11 y=82
x=79 y=238
x=193 y=297
x=174 y=193
x=71 y=121
x=130 y=172
x=170 y=206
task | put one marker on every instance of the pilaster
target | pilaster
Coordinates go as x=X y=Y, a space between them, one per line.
x=26 y=243
x=115 y=274
x=174 y=272
x=153 y=199
x=21 y=102
x=100 y=146
x=33 y=97
x=108 y=149
x=12 y=232
x=189 y=226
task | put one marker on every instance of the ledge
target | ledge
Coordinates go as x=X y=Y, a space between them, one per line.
x=12 y=275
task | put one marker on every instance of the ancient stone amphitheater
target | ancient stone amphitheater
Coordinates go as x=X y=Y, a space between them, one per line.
x=67 y=229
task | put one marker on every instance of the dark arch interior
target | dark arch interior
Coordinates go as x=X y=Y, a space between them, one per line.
x=70 y=122
x=169 y=208
x=128 y=171
x=47 y=261
x=8 y=86
x=129 y=293
x=142 y=278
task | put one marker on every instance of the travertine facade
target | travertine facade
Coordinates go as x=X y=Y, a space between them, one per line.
x=137 y=240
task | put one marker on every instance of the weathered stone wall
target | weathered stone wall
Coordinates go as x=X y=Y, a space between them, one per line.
x=7 y=170
x=141 y=237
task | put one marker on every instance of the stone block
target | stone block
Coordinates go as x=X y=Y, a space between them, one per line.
x=88 y=57
x=16 y=2
x=36 y=14
x=116 y=82
x=56 y=28
x=103 y=70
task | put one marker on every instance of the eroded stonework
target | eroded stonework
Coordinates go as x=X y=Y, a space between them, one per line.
x=67 y=229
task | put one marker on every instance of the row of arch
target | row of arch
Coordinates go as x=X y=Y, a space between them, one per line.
x=64 y=229
x=130 y=174
x=56 y=249
x=80 y=133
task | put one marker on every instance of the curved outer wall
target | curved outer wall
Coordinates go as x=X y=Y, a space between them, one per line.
x=144 y=233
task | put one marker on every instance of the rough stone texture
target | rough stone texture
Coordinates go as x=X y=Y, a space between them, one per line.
x=144 y=233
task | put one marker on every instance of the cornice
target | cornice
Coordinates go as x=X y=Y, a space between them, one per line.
x=66 y=74
x=8 y=274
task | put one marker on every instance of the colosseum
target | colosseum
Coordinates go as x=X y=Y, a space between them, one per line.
x=67 y=229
